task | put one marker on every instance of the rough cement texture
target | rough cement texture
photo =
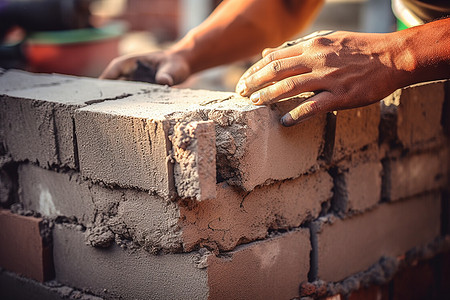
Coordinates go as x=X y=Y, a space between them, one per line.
x=13 y=80
x=116 y=273
x=194 y=152
x=415 y=173
x=236 y=216
x=122 y=215
x=23 y=250
x=252 y=147
x=126 y=151
x=149 y=221
x=355 y=129
x=38 y=112
x=270 y=269
x=416 y=112
x=345 y=247
x=20 y=288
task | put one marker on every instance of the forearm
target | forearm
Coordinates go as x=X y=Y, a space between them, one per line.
x=238 y=29
x=423 y=52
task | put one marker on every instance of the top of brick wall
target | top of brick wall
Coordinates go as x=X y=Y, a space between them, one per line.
x=168 y=141
x=125 y=134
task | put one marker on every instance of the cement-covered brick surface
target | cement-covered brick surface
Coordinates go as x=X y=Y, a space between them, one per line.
x=56 y=194
x=125 y=142
x=270 y=269
x=355 y=129
x=131 y=274
x=415 y=173
x=194 y=152
x=147 y=220
x=352 y=245
x=236 y=216
x=22 y=249
x=416 y=114
x=37 y=111
x=126 y=151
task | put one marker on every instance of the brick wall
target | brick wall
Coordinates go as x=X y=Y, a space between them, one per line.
x=127 y=190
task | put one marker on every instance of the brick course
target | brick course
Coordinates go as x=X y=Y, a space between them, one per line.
x=352 y=245
x=23 y=250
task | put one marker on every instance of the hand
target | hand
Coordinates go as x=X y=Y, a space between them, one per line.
x=344 y=69
x=157 y=67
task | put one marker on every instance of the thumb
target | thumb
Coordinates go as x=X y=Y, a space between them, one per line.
x=164 y=76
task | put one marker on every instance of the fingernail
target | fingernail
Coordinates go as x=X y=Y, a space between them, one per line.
x=255 y=97
x=287 y=120
x=241 y=87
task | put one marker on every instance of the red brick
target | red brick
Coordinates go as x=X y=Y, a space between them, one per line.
x=354 y=244
x=271 y=269
x=355 y=129
x=417 y=110
x=414 y=174
x=22 y=248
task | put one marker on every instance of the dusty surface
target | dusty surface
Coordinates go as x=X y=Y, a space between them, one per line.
x=237 y=217
x=118 y=273
x=194 y=152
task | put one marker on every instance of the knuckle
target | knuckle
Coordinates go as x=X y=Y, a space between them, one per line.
x=275 y=67
x=288 y=86
x=270 y=57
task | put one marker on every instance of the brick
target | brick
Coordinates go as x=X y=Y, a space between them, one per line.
x=124 y=150
x=416 y=112
x=355 y=129
x=23 y=250
x=13 y=80
x=357 y=184
x=271 y=269
x=345 y=247
x=40 y=114
x=56 y=194
x=194 y=152
x=147 y=220
x=122 y=273
x=252 y=147
x=415 y=173
x=236 y=216
x=273 y=152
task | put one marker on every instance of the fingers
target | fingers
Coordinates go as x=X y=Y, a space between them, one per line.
x=267 y=51
x=320 y=103
x=275 y=55
x=118 y=68
x=286 y=88
x=273 y=72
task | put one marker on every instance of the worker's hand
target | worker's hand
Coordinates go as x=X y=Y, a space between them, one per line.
x=156 y=67
x=345 y=69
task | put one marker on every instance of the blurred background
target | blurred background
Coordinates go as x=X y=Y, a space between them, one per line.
x=80 y=37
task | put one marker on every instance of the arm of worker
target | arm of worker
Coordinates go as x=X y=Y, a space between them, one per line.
x=347 y=69
x=237 y=29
